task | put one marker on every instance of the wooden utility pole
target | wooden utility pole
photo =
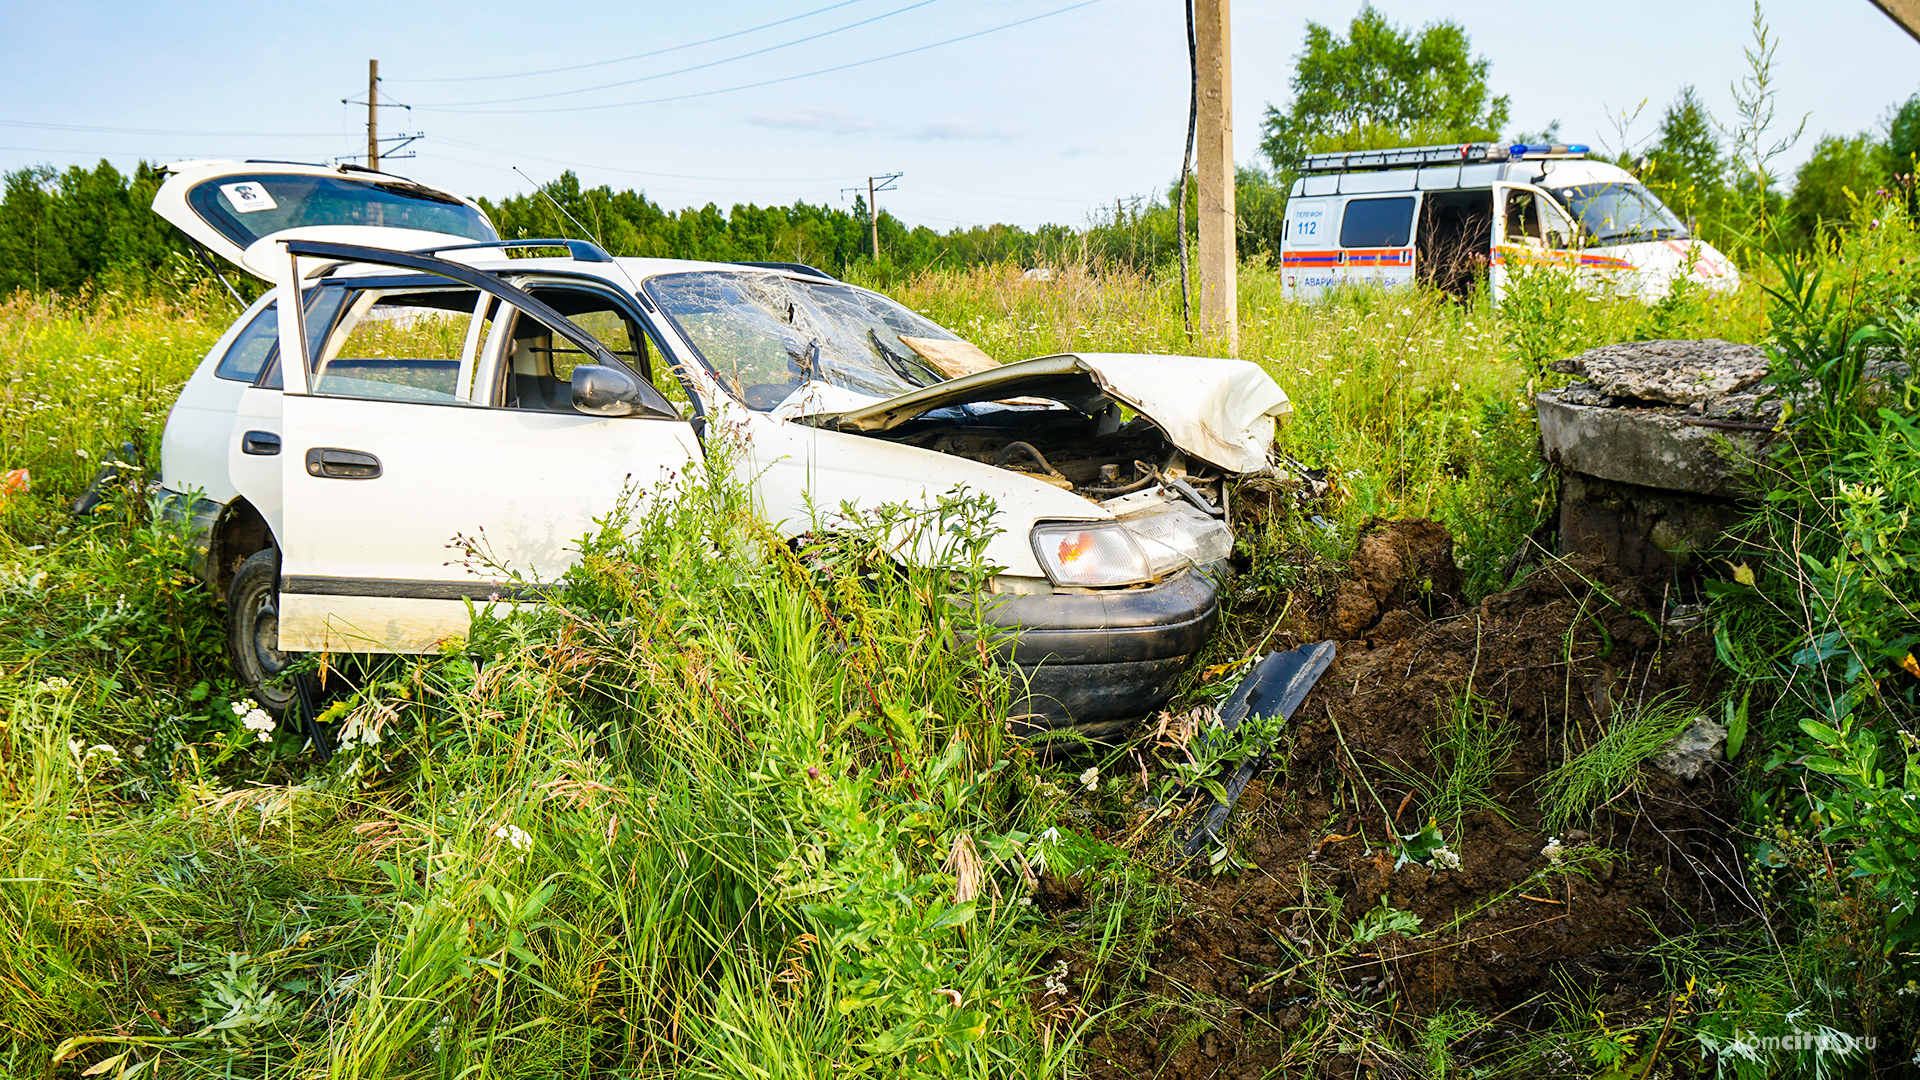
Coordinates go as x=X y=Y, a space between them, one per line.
x=1219 y=298
x=1904 y=12
x=373 y=115
x=875 y=185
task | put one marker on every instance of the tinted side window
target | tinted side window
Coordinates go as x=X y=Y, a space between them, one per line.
x=251 y=349
x=1375 y=223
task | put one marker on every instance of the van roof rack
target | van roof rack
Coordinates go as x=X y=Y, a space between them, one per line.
x=1409 y=157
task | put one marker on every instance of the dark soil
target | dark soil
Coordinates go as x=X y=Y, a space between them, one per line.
x=1259 y=952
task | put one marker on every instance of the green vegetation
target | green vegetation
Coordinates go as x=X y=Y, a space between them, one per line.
x=735 y=809
x=1381 y=86
x=1604 y=770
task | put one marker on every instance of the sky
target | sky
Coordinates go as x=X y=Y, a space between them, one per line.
x=1016 y=111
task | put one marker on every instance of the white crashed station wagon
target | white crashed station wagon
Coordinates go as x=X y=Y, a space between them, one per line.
x=405 y=381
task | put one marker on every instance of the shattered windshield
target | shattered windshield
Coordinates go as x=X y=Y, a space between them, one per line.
x=1615 y=213
x=766 y=335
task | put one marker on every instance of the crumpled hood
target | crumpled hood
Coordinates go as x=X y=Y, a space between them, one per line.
x=1217 y=410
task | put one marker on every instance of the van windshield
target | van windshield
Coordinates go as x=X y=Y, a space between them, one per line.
x=1617 y=213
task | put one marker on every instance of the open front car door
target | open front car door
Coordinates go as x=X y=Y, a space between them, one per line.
x=418 y=473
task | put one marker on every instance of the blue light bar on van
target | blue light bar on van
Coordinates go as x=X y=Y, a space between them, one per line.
x=1523 y=150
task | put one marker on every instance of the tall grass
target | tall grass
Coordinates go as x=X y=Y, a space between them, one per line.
x=1418 y=405
x=726 y=809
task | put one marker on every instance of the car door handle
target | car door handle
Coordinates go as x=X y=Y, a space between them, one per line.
x=261 y=443
x=342 y=464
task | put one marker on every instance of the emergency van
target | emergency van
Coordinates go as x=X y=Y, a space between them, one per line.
x=1447 y=215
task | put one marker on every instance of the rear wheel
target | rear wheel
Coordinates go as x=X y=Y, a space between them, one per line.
x=253 y=632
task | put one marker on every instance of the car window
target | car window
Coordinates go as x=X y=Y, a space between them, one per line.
x=399 y=346
x=537 y=365
x=250 y=351
x=245 y=208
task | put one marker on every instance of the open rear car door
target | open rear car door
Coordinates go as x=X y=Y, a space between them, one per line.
x=412 y=484
x=238 y=209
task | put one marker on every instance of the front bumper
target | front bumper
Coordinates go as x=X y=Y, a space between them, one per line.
x=1096 y=663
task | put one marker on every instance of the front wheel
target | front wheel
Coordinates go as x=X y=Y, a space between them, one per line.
x=253 y=632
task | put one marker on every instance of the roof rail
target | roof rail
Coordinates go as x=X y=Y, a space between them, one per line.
x=1409 y=157
x=798 y=268
x=578 y=250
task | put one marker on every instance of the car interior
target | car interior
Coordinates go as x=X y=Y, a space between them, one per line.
x=536 y=371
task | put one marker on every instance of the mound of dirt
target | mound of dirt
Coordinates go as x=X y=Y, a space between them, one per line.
x=1552 y=663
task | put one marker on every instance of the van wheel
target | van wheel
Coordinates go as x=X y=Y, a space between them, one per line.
x=253 y=632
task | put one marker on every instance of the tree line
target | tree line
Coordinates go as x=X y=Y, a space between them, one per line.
x=1378 y=85
x=79 y=228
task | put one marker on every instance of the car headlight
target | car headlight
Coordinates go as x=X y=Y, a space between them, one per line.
x=1177 y=533
x=1090 y=553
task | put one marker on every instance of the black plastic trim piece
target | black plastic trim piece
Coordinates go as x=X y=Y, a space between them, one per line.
x=798 y=268
x=411 y=589
x=1111 y=626
x=331 y=462
x=260 y=443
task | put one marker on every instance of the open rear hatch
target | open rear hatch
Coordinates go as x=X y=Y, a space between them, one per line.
x=239 y=209
x=1218 y=411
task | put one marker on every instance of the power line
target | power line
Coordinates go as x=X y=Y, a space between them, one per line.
x=1005 y=195
x=37 y=125
x=685 y=70
x=784 y=79
x=641 y=172
x=638 y=56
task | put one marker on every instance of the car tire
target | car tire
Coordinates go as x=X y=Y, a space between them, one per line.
x=253 y=631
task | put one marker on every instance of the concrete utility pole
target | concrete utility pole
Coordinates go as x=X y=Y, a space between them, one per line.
x=1904 y=12
x=373 y=115
x=1219 y=263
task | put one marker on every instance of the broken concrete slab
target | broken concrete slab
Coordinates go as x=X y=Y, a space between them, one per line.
x=1706 y=378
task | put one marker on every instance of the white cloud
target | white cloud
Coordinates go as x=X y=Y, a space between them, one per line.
x=814 y=118
x=966 y=129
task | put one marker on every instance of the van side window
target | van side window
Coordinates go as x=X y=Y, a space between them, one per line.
x=1377 y=223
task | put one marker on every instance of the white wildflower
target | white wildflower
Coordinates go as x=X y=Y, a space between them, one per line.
x=515 y=836
x=1091 y=778
x=257 y=721
x=52 y=684
x=1445 y=859
x=1553 y=851
x=243 y=706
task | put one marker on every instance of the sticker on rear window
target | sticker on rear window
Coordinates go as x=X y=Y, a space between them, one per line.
x=248 y=197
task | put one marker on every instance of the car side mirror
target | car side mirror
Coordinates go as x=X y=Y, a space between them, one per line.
x=605 y=391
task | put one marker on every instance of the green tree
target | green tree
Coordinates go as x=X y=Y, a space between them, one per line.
x=1380 y=86
x=1825 y=188
x=1903 y=150
x=1688 y=170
